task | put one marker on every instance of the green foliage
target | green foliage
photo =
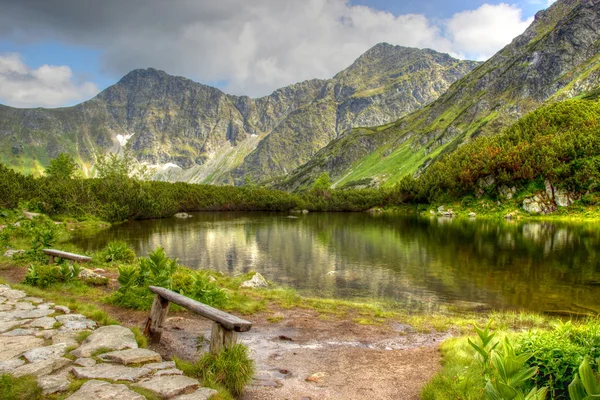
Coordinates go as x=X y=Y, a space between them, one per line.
x=585 y=386
x=232 y=368
x=322 y=184
x=487 y=345
x=118 y=251
x=559 y=352
x=510 y=376
x=62 y=167
x=159 y=270
x=23 y=388
x=42 y=276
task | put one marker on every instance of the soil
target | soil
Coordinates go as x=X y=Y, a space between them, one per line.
x=306 y=356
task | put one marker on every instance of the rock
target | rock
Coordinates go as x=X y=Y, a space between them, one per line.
x=53 y=383
x=12 y=253
x=99 y=390
x=30 y=215
x=62 y=309
x=506 y=192
x=511 y=215
x=448 y=214
x=75 y=322
x=330 y=273
x=169 y=386
x=20 y=332
x=318 y=377
x=200 y=394
x=170 y=371
x=46 y=352
x=14 y=294
x=538 y=205
x=305 y=211
x=45 y=306
x=41 y=368
x=257 y=281
x=67 y=338
x=24 y=314
x=486 y=182
x=111 y=372
x=441 y=209
x=472 y=215
x=21 y=305
x=44 y=323
x=132 y=356
x=13 y=346
x=92 y=278
x=46 y=334
x=162 y=365
x=9 y=365
x=292 y=217
x=8 y=325
x=6 y=307
x=34 y=300
x=182 y=215
x=112 y=337
x=85 y=362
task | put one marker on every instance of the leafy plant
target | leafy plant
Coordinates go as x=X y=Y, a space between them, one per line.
x=118 y=251
x=487 y=345
x=585 y=386
x=42 y=275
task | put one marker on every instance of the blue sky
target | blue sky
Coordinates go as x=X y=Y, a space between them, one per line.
x=57 y=55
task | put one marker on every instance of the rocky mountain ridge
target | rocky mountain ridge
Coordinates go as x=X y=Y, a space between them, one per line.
x=192 y=132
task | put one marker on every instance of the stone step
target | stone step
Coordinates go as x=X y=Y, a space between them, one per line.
x=132 y=356
x=100 y=390
x=112 y=337
x=111 y=372
x=169 y=386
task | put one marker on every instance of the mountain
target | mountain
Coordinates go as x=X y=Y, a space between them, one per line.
x=191 y=132
x=557 y=57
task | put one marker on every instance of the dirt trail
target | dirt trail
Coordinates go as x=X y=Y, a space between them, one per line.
x=357 y=362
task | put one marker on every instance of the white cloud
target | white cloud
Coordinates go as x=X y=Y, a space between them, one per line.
x=254 y=46
x=482 y=32
x=46 y=86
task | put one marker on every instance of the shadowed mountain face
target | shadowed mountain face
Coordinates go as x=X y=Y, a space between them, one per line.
x=196 y=133
x=557 y=57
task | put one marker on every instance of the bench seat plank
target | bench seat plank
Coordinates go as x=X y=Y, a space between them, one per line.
x=66 y=255
x=228 y=321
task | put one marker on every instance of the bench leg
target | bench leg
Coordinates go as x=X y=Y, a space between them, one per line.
x=51 y=260
x=158 y=314
x=221 y=338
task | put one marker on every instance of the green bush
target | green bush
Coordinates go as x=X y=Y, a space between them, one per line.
x=232 y=368
x=43 y=275
x=559 y=353
x=118 y=251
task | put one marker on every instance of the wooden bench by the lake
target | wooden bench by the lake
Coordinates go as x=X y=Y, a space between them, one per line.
x=67 y=256
x=224 y=325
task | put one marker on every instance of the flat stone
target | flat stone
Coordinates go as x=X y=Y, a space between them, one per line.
x=6 y=307
x=170 y=371
x=45 y=353
x=9 y=365
x=200 y=394
x=132 y=356
x=45 y=306
x=62 y=309
x=41 y=368
x=85 y=362
x=23 y=314
x=162 y=365
x=12 y=253
x=46 y=334
x=99 y=390
x=112 y=337
x=111 y=372
x=13 y=346
x=53 y=383
x=8 y=325
x=34 y=300
x=68 y=338
x=14 y=294
x=44 y=323
x=169 y=386
x=20 y=332
x=75 y=322
x=22 y=305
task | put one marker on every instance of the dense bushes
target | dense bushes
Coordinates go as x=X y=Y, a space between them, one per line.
x=559 y=142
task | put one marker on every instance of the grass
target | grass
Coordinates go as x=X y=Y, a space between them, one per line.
x=23 y=388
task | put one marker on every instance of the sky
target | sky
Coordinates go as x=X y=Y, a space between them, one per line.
x=56 y=53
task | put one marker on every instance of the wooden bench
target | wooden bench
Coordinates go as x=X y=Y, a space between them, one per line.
x=224 y=325
x=67 y=256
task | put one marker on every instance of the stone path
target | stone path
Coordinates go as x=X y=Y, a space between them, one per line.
x=43 y=339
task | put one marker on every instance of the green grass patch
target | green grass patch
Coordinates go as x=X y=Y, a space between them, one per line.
x=23 y=388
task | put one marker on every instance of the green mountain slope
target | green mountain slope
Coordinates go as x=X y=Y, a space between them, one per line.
x=186 y=131
x=557 y=57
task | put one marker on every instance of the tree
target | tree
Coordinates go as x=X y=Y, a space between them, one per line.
x=62 y=167
x=322 y=184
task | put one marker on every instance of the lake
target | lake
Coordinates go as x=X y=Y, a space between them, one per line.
x=422 y=262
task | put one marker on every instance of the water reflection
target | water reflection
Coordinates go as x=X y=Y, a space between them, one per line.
x=539 y=266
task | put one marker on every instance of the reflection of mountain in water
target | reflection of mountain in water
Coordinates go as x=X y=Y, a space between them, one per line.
x=421 y=262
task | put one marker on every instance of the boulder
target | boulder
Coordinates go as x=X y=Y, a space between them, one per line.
x=132 y=356
x=507 y=192
x=12 y=253
x=53 y=383
x=41 y=368
x=44 y=323
x=75 y=322
x=200 y=394
x=45 y=352
x=472 y=215
x=257 y=281
x=9 y=365
x=85 y=362
x=14 y=346
x=111 y=372
x=62 y=309
x=169 y=386
x=182 y=215
x=92 y=278
x=112 y=337
x=99 y=390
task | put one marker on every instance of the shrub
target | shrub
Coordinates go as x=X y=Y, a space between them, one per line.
x=232 y=368
x=42 y=275
x=118 y=251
